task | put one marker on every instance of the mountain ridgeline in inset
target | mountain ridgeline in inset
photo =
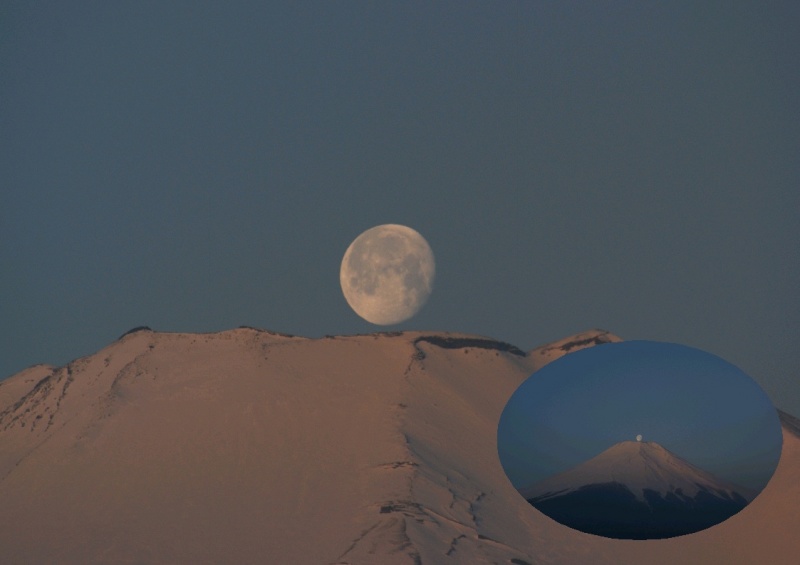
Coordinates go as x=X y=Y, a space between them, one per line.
x=637 y=490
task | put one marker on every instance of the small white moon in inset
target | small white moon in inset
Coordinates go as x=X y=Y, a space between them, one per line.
x=639 y=437
x=387 y=274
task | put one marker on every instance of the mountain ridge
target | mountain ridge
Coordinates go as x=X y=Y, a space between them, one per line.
x=637 y=490
x=243 y=444
x=639 y=465
x=549 y=352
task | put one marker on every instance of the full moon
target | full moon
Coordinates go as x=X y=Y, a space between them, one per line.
x=639 y=437
x=387 y=274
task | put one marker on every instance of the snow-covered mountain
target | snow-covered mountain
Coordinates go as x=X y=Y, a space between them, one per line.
x=251 y=447
x=544 y=354
x=637 y=490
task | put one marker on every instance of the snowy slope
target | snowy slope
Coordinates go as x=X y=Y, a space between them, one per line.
x=639 y=466
x=636 y=490
x=252 y=447
x=544 y=354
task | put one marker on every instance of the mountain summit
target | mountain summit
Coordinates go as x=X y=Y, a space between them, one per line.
x=249 y=446
x=637 y=490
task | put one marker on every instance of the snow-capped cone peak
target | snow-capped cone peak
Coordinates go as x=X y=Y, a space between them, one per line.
x=640 y=466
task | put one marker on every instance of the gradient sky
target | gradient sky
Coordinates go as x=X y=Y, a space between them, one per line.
x=696 y=405
x=196 y=166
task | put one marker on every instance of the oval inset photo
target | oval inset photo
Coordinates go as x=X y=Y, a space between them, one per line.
x=639 y=440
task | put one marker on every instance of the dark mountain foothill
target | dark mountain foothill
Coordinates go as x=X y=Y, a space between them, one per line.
x=613 y=511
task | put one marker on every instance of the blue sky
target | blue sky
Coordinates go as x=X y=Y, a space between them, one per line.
x=691 y=402
x=196 y=166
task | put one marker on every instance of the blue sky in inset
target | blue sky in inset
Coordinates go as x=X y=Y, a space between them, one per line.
x=693 y=403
